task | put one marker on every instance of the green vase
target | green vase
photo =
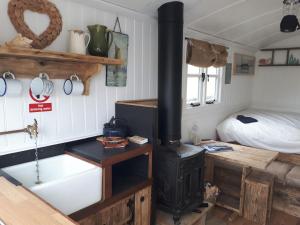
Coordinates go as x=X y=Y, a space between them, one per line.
x=99 y=44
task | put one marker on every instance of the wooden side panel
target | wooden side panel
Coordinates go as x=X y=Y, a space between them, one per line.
x=246 y=172
x=258 y=199
x=287 y=199
x=107 y=182
x=143 y=207
x=289 y=158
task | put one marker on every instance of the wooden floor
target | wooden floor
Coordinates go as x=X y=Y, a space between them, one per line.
x=220 y=216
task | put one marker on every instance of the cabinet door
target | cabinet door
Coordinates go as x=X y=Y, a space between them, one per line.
x=91 y=220
x=119 y=213
x=143 y=207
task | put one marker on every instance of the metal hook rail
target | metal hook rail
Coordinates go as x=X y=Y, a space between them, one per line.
x=32 y=130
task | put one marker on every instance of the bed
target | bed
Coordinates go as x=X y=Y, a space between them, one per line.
x=275 y=131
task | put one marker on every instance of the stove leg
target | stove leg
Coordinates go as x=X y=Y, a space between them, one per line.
x=176 y=220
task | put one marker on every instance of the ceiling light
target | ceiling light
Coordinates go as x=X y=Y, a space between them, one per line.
x=289 y=22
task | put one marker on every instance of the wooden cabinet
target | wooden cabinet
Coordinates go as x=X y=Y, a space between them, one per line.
x=134 y=210
x=143 y=207
x=127 y=180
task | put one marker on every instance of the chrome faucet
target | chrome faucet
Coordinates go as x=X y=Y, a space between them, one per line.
x=32 y=130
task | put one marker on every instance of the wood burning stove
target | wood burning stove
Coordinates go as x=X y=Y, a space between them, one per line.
x=179 y=167
x=180 y=180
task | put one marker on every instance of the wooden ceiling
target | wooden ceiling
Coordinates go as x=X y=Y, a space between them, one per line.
x=252 y=23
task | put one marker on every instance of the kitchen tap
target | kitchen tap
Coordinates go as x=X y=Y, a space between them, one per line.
x=32 y=130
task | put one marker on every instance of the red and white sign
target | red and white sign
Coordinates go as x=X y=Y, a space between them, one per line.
x=40 y=105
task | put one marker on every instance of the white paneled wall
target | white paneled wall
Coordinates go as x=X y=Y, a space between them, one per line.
x=235 y=97
x=278 y=88
x=79 y=117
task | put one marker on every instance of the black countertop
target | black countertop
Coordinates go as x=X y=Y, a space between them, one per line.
x=9 y=178
x=94 y=150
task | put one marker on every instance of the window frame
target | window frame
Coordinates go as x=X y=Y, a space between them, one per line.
x=202 y=86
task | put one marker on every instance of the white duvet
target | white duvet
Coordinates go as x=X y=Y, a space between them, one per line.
x=274 y=130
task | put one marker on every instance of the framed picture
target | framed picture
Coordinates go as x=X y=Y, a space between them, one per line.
x=228 y=71
x=116 y=76
x=243 y=64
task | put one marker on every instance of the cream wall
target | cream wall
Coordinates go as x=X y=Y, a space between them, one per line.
x=234 y=97
x=79 y=117
x=74 y=118
x=278 y=88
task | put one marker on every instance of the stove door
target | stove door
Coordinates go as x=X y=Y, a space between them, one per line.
x=190 y=188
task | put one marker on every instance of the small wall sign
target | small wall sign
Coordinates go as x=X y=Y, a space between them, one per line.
x=40 y=107
x=40 y=104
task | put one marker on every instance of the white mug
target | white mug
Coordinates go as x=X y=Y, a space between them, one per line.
x=9 y=85
x=79 y=40
x=41 y=85
x=73 y=86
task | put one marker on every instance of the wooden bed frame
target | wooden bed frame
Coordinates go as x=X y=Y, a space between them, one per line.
x=282 y=157
x=285 y=197
x=289 y=158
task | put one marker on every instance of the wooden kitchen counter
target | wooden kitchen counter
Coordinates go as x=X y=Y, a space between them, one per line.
x=19 y=206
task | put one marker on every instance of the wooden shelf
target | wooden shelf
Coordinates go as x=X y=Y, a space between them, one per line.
x=229 y=202
x=273 y=50
x=28 y=63
x=270 y=65
x=279 y=49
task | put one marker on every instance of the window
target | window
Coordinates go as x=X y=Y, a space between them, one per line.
x=203 y=85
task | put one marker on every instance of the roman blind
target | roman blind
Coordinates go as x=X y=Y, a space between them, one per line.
x=203 y=54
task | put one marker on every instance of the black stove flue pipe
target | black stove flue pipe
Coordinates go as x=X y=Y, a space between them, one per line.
x=170 y=41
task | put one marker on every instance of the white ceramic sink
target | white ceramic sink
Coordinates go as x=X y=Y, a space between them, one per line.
x=69 y=184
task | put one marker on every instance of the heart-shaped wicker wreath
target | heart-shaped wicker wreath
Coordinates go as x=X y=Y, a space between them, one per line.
x=16 y=10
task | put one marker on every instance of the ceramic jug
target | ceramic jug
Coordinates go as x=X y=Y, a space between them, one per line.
x=79 y=41
x=101 y=40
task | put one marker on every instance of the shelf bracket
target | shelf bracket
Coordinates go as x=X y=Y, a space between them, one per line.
x=92 y=69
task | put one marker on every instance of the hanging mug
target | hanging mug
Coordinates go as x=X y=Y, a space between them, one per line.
x=73 y=86
x=9 y=85
x=79 y=41
x=41 y=85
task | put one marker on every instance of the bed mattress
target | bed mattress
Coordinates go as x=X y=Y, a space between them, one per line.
x=275 y=131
